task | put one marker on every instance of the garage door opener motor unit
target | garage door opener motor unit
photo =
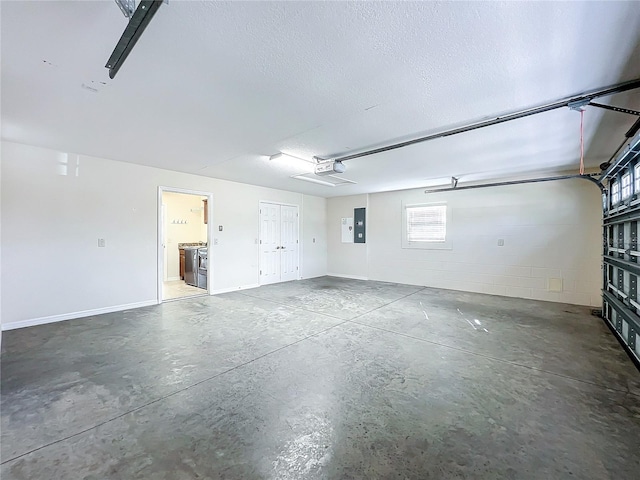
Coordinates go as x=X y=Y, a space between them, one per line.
x=329 y=168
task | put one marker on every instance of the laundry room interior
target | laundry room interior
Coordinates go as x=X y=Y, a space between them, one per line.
x=185 y=234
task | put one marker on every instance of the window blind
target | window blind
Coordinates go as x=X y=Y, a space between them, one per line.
x=427 y=223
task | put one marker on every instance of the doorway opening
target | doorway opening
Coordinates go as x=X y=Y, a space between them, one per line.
x=184 y=268
x=279 y=242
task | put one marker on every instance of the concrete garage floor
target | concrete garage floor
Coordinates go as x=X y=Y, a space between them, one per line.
x=323 y=378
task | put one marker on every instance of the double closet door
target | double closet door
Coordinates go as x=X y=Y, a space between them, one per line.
x=278 y=243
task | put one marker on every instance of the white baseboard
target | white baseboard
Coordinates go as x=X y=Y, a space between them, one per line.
x=70 y=316
x=172 y=279
x=235 y=289
x=314 y=276
x=352 y=277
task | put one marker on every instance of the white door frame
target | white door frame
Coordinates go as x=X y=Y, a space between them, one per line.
x=260 y=202
x=163 y=241
x=160 y=273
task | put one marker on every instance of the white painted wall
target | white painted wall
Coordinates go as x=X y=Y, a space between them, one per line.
x=550 y=230
x=0 y=241
x=181 y=207
x=345 y=259
x=313 y=237
x=56 y=205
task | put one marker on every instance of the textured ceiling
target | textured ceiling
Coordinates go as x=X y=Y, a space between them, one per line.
x=214 y=88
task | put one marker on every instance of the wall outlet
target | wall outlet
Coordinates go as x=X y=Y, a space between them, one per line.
x=102 y=242
x=215 y=241
x=501 y=242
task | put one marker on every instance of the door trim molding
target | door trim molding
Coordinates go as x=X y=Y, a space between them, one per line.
x=160 y=223
x=281 y=203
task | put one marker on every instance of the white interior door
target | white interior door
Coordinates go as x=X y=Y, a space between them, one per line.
x=288 y=243
x=269 y=243
x=278 y=243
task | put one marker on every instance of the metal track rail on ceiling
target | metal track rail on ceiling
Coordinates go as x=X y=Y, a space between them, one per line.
x=615 y=109
x=516 y=182
x=138 y=22
x=632 y=150
x=579 y=99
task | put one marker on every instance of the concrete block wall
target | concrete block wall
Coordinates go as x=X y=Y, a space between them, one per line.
x=551 y=233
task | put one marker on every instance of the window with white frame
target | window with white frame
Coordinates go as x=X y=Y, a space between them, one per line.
x=626 y=185
x=425 y=226
x=615 y=193
x=636 y=177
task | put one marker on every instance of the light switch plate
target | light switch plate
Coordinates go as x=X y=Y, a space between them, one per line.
x=102 y=242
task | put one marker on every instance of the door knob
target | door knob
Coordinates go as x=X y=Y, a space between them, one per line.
x=283 y=247
x=277 y=248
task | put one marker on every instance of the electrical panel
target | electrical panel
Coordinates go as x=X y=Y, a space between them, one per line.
x=359 y=221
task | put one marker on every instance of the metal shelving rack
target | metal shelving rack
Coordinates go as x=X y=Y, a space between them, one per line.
x=621 y=264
